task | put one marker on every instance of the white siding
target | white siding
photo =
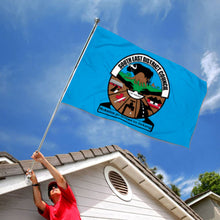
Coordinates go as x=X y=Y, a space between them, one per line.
x=206 y=209
x=94 y=197
x=97 y=201
x=18 y=205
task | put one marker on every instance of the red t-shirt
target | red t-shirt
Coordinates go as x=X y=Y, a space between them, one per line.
x=65 y=209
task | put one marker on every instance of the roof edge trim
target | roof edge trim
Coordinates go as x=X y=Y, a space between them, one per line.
x=210 y=193
x=16 y=182
x=148 y=180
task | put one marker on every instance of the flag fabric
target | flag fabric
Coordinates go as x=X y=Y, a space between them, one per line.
x=117 y=80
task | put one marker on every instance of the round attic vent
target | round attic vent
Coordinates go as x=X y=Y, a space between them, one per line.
x=117 y=183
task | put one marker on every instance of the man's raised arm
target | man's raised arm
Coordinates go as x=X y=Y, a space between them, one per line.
x=39 y=157
x=36 y=191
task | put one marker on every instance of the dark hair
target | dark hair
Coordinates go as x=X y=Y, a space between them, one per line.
x=50 y=187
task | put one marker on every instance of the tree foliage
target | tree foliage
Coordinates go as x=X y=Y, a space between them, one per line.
x=142 y=159
x=154 y=170
x=175 y=189
x=207 y=181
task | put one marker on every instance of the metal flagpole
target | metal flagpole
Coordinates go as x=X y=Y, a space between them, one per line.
x=67 y=85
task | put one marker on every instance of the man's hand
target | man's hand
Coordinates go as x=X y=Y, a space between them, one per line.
x=33 y=177
x=38 y=157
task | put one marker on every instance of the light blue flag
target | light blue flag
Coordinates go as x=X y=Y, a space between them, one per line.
x=120 y=81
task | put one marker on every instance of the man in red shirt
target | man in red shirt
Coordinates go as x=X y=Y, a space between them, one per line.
x=60 y=193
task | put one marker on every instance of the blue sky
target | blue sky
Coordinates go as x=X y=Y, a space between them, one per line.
x=40 y=43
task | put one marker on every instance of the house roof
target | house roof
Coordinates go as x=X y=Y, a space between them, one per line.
x=7 y=158
x=201 y=196
x=123 y=159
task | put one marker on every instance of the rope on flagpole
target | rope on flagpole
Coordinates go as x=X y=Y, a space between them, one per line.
x=65 y=89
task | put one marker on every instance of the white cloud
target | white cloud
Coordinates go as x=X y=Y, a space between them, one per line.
x=211 y=71
x=185 y=185
x=211 y=102
x=166 y=176
x=16 y=11
x=178 y=180
x=113 y=133
x=23 y=11
x=50 y=87
x=25 y=140
x=101 y=132
x=210 y=67
x=155 y=7
x=203 y=35
x=46 y=88
x=203 y=29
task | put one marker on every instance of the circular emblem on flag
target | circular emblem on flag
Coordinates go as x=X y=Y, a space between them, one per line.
x=138 y=87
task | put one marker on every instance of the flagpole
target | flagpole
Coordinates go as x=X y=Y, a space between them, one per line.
x=66 y=87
